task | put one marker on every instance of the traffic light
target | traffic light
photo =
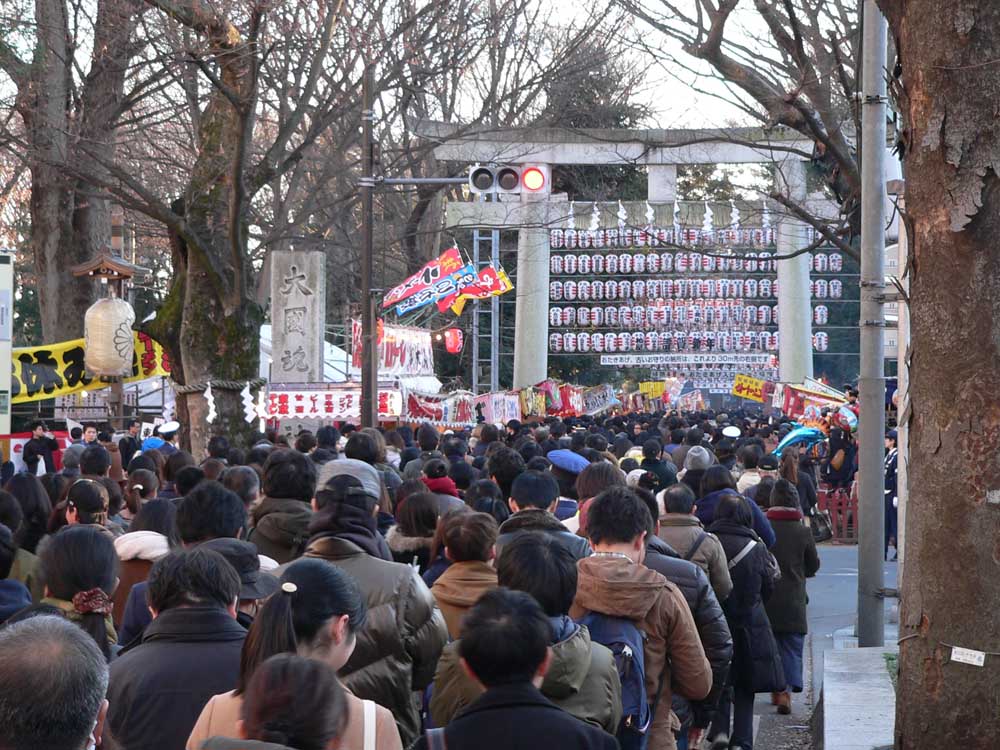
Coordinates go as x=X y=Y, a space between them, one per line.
x=506 y=178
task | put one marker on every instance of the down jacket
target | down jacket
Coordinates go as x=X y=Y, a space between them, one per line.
x=582 y=680
x=280 y=527
x=708 y=618
x=402 y=639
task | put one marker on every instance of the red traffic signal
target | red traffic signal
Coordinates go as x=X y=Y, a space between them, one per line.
x=533 y=179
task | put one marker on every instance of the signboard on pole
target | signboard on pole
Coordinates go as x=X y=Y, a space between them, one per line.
x=749 y=388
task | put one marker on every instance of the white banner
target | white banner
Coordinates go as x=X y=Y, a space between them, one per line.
x=289 y=401
x=645 y=360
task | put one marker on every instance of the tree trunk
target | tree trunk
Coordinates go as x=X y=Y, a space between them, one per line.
x=70 y=220
x=952 y=579
x=210 y=320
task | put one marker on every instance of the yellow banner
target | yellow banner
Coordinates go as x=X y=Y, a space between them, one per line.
x=749 y=388
x=652 y=388
x=41 y=372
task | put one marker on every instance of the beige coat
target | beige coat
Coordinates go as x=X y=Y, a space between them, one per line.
x=220 y=716
x=681 y=531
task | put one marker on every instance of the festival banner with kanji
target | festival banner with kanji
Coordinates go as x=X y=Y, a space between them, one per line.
x=599 y=398
x=490 y=282
x=499 y=407
x=441 y=267
x=456 y=408
x=752 y=389
x=291 y=401
x=692 y=401
x=402 y=350
x=41 y=372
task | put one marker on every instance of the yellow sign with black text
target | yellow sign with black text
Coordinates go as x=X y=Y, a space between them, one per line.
x=41 y=372
x=749 y=388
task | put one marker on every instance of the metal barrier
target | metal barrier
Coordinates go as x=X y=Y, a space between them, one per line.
x=842 y=507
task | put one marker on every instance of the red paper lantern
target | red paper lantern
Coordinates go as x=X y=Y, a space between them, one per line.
x=454 y=340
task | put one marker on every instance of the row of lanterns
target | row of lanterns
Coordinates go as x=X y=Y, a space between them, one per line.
x=656 y=236
x=639 y=263
x=676 y=341
x=655 y=316
x=639 y=289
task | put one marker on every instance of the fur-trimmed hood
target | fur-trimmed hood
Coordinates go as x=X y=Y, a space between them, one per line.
x=399 y=542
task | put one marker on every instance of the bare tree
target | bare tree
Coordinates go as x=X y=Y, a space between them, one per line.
x=786 y=62
x=66 y=114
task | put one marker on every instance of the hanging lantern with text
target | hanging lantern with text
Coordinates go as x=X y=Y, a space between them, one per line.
x=107 y=332
x=454 y=339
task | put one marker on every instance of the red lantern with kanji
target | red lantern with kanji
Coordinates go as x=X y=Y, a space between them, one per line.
x=454 y=340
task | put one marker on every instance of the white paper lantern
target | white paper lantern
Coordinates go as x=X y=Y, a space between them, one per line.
x=570 y=263
x=107 y=331
x=555 y=316
x=555 y=342
x=836 y=262
x=597 y=316
x=555 y=290
x=583 y=264
x=836 y=289
x=556 y=264
x=611 y=263
x=611 y=316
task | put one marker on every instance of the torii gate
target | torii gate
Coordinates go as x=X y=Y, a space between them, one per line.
x=660 y=151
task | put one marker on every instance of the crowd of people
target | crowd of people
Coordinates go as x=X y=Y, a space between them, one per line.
x=630 y=581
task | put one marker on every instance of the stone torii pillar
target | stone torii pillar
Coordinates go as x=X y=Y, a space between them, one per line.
x=795 y=349
x=531 y=335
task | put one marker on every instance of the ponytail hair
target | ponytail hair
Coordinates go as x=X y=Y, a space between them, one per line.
x=80 y=566
x=271 y=633
x=312 y=593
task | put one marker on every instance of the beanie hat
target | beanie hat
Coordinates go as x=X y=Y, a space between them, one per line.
x=697 y=458
x=784 y=494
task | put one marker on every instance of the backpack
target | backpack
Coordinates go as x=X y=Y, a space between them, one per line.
x=627 y=644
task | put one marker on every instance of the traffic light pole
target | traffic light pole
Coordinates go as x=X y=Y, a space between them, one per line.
x=369 y=343
x=369 y=301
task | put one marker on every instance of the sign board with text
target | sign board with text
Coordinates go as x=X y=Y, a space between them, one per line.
x=749 y=388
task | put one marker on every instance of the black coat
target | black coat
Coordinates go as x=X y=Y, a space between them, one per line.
x=519 y=716
x=158 y=688
x=43 y=449
x=708 y=617
x=796 y=553
x=756 y=661
x=541 y=520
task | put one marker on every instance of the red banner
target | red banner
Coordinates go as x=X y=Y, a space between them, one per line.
x=440 y=268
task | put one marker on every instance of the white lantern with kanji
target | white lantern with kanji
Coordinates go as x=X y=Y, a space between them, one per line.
x=108 y=340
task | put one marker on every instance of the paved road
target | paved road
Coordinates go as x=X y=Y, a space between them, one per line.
x=832 y=607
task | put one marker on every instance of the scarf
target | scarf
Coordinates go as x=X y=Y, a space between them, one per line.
x=356 y=525
x=90 y=603
x=441 y=485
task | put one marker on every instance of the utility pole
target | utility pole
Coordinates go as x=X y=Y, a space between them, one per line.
x=871 y=385
x=369 y=341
